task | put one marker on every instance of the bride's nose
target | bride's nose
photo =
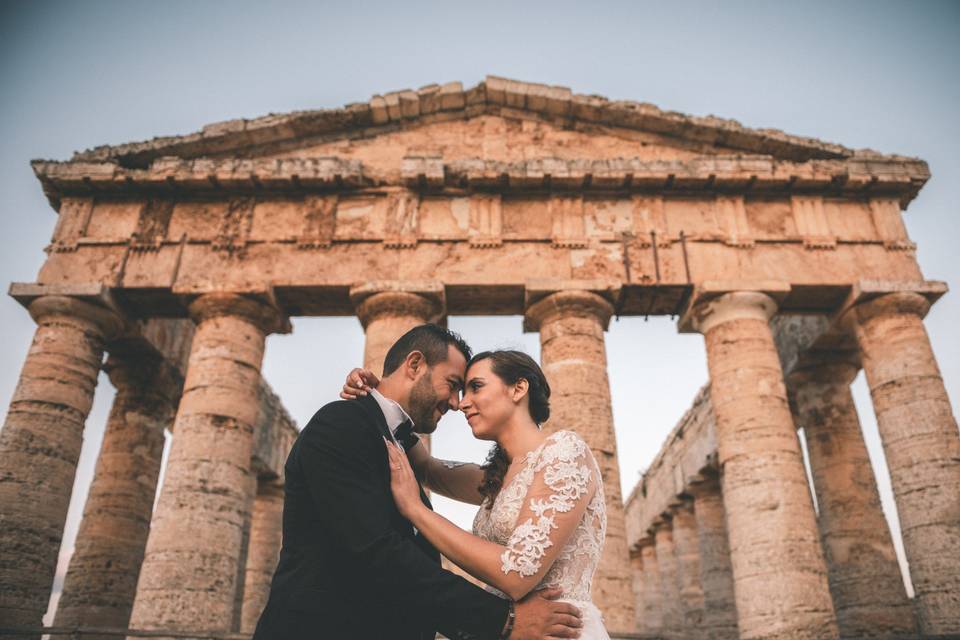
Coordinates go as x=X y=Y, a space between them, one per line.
x=454 y=401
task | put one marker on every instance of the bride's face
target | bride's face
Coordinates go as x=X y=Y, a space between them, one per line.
x=487 y=402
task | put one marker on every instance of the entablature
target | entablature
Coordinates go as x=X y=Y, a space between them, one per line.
x=714 y=174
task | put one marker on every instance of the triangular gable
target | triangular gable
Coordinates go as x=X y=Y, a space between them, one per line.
x=557 y=108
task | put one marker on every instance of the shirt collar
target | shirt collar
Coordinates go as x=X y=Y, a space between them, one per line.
x=392 y=411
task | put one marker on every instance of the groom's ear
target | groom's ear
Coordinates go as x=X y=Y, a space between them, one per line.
x=414 y=363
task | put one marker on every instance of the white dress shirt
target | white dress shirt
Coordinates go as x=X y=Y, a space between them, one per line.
x=392 y=412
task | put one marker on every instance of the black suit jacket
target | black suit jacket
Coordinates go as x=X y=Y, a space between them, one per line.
x=351 y=566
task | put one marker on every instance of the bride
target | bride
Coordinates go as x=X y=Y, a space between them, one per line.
x=541 y=520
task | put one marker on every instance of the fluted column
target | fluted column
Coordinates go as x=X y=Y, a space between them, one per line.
x=40 y=445
x=922 y=447
x=573 y=356
x=240 y=592
x=266 y=535
x=636 y=567
x=780 y=577
x=651 y=615
x=101 y=581
x=868 y=592
x=190 y=570
x=687 y=549
x=671 y=611
x=716 y=575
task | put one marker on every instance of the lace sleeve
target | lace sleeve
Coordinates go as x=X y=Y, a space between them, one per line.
x=556 y=500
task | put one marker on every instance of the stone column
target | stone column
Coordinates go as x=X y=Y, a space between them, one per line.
x=716 y=576
x=671 y=611
x=240 y=592
x=573 y=356
x=190 y=570
x=266 y=535
x=636 y=566
x=687 y=549
x=868 y=592
x=780 y=577
x=922 y=447
x=101 y=581
x=651 y=615
x=40 y=445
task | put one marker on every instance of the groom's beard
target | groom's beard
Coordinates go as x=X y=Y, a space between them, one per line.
x=423 y=401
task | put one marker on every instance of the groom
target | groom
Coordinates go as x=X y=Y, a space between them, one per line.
x=351 y=566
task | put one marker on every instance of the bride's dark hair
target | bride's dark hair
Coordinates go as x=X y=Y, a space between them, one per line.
x=511 y=366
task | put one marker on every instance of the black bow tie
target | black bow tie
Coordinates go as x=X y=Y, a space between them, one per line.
x=404 y=434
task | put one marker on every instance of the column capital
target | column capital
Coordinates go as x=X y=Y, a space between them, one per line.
x=419 y=298
x=705 y=314
x=109 y=322
x=868 y=298
x=144 y=369
x=571 y=302
x=396 y=298
x=713 y=302
x=901 y=302
x=261 y=311
x=703 y=484
x=663 y=522
x=819 y=366
x=645 y=542
x=683 y=506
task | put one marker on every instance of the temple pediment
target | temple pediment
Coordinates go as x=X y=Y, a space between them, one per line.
x=501 y=136
x=497 y=119
x=508 y=138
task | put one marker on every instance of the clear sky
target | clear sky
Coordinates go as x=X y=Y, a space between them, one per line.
x=872 y=74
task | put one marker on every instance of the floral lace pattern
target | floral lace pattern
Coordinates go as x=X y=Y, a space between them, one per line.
x=554 y=479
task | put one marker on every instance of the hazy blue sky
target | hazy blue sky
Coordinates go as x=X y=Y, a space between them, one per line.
x=873 y=74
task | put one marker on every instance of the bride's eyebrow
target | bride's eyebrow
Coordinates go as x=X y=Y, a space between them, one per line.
x=475 y=379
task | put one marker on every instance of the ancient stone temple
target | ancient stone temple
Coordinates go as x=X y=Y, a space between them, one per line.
x=172 y=261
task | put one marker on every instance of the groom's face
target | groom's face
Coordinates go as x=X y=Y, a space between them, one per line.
x=437 y=391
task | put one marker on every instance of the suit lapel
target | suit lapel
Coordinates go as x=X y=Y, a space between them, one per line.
x=373 y=408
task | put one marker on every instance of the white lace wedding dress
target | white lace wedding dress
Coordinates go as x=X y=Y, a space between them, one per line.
x=538 y=508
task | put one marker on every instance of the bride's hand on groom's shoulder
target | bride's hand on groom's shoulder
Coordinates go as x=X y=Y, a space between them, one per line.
x=359 y=383
x=403 y=482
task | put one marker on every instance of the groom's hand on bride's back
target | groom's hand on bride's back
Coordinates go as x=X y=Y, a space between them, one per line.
x=359 y=383
x=540 y=615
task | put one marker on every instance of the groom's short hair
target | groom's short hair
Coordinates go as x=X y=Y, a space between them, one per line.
x=429 y=339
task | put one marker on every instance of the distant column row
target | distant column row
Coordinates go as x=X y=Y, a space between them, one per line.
x=786 y=571
x=182 y=566
x=682 y=574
